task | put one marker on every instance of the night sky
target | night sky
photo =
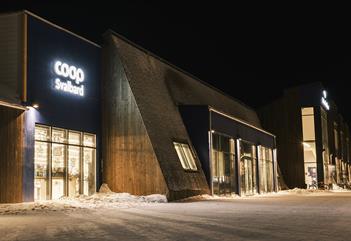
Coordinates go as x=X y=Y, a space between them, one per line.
x=251 y=52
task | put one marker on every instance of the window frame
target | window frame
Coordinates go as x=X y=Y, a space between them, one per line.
x=187 y=165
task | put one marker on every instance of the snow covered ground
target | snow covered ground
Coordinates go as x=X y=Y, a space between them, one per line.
x=288 y=215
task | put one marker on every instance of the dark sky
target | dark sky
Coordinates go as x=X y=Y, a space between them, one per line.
x=252 y=52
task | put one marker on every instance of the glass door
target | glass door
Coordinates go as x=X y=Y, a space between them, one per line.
x=247 y=168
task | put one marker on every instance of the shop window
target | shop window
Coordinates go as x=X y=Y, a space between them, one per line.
x=64 y=163
x=185 y=156
x=309 y=147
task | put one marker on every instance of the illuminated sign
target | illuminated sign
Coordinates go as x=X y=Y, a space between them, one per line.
x=70 y=78
x=324 y=100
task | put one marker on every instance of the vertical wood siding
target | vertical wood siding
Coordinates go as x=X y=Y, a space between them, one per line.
x=11 y=155
x=129 y=162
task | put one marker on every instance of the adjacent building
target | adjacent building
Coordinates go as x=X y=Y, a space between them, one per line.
x=165 y=131
x=74 y=114
x=313 y=140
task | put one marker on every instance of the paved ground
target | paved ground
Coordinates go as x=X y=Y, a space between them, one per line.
x=310 y=217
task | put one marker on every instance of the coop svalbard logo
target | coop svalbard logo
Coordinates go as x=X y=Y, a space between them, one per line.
x=69 y=78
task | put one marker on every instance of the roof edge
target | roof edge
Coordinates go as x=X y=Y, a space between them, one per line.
x=51 y=24
x=110 y=31
x=240 y=121
x=11 y=105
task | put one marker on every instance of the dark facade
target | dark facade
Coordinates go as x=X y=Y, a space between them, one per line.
x=312 y=138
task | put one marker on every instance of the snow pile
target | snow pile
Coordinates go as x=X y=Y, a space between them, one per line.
x=47 y=206
x=304 y=191
x=337 y=188
x=105 y=198
x=112 y=200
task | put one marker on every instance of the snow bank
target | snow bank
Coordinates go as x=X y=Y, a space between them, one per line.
x=335 y=188
x=105 y=198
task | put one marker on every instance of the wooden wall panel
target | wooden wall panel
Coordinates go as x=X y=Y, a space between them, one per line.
x=11 y=155
x=129 y=162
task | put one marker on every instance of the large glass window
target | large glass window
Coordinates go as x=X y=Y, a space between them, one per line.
x=223 y=165
x=64 y=163
x=309 y=147
x=248 y=168
x=185 y=156
x=265 y=169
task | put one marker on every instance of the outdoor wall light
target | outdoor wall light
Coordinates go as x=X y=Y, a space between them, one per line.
x=30 y=105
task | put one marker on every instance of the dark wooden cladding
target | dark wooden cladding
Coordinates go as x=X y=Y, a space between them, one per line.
x=129 y=162
x=287 y=126
x=11 y=155
x=143 y=82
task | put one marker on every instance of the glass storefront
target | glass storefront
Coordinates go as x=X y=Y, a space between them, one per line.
x=309 y=147
x=64 y=163
x=236 y=161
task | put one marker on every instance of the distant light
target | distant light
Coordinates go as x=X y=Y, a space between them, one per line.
x=212 y=131
x=306 y=144
x=325 y=94
x=35 y=106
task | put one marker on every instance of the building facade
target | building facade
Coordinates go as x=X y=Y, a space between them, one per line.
x=50 y=96
x=198 y=139
x=74 y=115
x=312 y=138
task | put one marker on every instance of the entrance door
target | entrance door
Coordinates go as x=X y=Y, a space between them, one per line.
x=247 y=168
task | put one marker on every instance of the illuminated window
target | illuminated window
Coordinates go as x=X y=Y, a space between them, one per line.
x=64 y=162
x=309 y=147
x=185 y=155
x=224 y=178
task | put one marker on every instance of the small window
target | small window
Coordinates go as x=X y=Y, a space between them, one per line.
x=185 y=156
